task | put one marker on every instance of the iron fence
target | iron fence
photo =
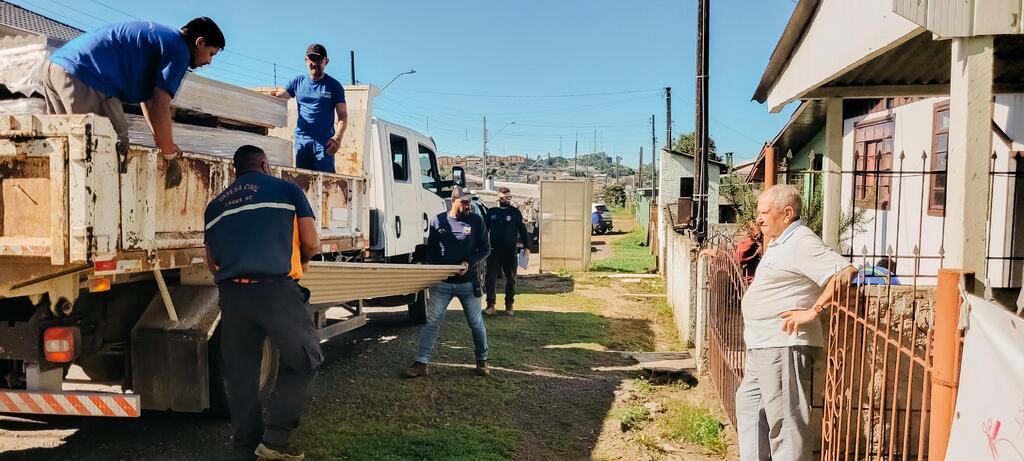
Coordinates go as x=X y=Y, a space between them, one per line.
x=722 y=290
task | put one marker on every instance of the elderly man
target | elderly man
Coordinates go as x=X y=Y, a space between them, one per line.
x=793 y=284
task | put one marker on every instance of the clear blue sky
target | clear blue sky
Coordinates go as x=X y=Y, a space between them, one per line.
x=554 y=68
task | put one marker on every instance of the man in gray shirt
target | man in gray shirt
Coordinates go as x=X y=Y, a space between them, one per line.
x=793 y=284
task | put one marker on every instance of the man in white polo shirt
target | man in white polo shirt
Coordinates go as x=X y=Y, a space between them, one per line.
x=793 y=284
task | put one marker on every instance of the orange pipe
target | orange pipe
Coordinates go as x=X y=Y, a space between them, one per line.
x=770 y=171
x=944 y=346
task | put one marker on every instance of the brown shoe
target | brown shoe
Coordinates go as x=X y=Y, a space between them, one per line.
x=509 y=312
x=481 y=368
x=489 y=311
x=416 y=370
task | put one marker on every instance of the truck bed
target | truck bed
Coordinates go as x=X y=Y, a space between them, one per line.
x=69 y=202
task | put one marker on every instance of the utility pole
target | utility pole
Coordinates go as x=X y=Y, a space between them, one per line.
x=576 y=153
x=560 y=146
x=654 y=158
x=593 y=145
x=428 y=124
x=352 y=59
x=483 y=157
x=640 y=171
x=668 y=118
x=700 y=211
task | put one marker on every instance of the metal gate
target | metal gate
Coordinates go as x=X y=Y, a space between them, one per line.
x=722 y=290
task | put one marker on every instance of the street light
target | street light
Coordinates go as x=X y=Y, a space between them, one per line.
x=483 y=161
x=411 y=71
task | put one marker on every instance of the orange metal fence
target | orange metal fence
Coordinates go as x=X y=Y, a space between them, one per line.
x=722 y=290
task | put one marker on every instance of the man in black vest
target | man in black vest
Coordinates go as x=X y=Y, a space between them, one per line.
x=457 y=237
x=508 y=234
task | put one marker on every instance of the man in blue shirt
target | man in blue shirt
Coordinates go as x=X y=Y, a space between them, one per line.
x=260 y=233
x=456 y=237
x=319 y=98
x=135 y=62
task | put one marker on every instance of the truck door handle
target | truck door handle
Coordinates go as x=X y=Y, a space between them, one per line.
x=398 y=227
x=426 y=222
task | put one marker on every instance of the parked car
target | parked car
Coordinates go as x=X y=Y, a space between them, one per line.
x=600 y=218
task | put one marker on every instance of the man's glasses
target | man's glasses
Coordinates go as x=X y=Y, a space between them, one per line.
x=315 y=58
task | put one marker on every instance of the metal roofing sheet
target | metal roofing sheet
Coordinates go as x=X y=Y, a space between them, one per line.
x=337 y=282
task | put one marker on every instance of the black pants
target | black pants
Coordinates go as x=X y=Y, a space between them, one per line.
x=250 y=313
x=507 y=262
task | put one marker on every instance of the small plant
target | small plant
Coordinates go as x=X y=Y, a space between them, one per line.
x=642 y=387
x=647 y=441
x=633 y=417
x=563 y=272
x=693 y=425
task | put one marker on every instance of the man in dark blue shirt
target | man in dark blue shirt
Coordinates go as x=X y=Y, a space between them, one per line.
x=507 y=235
x=319 y=98
x=135 y=62
x=260 y=233
x=456 y=237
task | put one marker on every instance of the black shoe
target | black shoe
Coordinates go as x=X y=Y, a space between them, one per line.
x=279 y=453
x=416 y=370
x=481 y=368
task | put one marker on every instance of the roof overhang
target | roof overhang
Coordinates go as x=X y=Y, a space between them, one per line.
x=830 y=38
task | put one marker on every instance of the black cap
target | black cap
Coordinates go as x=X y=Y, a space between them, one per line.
x=316 y=49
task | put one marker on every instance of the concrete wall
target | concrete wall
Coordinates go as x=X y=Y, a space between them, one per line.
x=680 y=277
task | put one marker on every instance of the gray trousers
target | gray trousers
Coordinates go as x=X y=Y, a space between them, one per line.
x=249 y=314
x=773 y=404
x=66 y=94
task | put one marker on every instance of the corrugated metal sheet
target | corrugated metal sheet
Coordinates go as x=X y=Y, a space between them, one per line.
x=963 y=18
x=337 y=282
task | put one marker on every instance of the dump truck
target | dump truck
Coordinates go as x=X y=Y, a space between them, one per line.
x=106 y=305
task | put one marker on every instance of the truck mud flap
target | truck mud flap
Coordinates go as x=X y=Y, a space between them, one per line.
x=170 y=365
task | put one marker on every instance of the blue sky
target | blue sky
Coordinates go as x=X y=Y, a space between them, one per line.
x=554 y=68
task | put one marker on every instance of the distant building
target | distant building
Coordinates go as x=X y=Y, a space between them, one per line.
x=446 y=161
x=515 y=160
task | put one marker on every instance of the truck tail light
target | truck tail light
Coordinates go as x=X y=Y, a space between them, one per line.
x=98 y=284
x=59 y=344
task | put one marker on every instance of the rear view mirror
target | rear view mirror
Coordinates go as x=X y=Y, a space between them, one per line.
x=459 y=176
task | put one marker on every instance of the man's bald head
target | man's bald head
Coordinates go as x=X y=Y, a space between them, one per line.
x=250 y=158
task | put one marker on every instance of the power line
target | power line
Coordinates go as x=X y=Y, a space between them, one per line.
x=576 y=95
x=115 y=9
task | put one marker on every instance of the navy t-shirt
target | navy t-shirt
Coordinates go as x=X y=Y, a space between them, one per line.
x=317 y=102
x=126 y=60
x=252 y=228
x=457 y=240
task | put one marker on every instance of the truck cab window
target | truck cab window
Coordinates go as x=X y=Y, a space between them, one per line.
x=400 y=157
x=428 y=169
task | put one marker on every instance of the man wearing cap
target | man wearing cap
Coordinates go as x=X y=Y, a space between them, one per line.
x=457 y=237
x=319 y=98
x=260 y=233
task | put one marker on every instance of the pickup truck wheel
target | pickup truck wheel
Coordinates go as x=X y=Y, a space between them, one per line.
x=269 y=363
x=418 y=308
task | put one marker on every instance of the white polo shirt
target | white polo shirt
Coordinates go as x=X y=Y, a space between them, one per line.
x=791 y=275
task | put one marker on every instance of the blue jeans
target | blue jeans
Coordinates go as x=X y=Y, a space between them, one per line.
x=440 y=296
x=311 y=154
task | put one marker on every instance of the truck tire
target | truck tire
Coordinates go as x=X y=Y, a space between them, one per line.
x=418 y=308
x=268 y=375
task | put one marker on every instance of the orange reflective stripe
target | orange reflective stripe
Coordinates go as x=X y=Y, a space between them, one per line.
x=48 y=398
x=6 y=400
x=96 y=400
x=31 y=403
x=78 y=405
x=123 y=403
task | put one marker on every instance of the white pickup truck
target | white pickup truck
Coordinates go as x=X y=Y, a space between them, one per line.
x=106 y=307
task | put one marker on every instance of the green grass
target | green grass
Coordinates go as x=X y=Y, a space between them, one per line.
x=643 y=388
x=694 y=425
x=630 y=256
x=380 y=442
x=633 y=417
